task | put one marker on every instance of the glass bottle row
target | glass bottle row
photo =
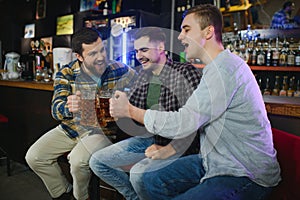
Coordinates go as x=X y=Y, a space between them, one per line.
x=261 y=53
x=282 y=86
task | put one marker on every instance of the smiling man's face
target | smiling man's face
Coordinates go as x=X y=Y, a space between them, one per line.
x=192 y=37
x=148 y=53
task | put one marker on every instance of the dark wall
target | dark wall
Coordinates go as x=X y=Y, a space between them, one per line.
x=15 y=14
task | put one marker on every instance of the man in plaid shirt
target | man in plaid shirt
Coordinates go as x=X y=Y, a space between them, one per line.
x=91 y=71
x=162 y=85
x=282 y=19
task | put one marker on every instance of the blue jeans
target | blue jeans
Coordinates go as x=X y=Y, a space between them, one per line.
x=180 y=180
x=109 y=163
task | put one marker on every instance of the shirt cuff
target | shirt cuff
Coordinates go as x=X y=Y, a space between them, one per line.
x=149 y=121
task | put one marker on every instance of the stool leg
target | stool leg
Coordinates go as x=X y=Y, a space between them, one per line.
x=8 y=166
x=5 y=155
x=94 y=187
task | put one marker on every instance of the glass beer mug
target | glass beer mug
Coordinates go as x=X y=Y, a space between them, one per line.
x=102 y=107
x=88 y=106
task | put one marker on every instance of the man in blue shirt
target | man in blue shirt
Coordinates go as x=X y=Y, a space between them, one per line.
x=282 y=19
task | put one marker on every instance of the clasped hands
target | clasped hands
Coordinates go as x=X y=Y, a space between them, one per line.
x=119 y=107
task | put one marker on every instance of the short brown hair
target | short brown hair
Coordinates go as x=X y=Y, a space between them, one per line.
x=155 y=34
x=208 y=14
x=84 y=36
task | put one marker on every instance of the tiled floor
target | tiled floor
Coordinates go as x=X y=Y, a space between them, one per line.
x=23 y=184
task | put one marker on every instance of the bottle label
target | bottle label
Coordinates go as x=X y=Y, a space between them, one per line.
x=267 y=93
x=275 y=92
x=283 y=59
x=297 y=60
x=275 y=55
x=290 y=93
x=297 y=94
x=291 y=60
x=282 y=93
x=260 y=59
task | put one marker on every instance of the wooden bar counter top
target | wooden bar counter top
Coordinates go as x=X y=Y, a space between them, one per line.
x=286 y=106
x=48 y=86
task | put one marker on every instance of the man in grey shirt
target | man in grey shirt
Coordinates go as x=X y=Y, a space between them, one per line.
x=237 y=159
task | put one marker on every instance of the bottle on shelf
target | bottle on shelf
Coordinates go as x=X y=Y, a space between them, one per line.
x=267 y=90
x=283 y=91
x=291 y=90
x=259 y=82
x=290 y=57
x=283 y=55
x=245 y=51
x=276 y=89
x=297 y=92
x=269 y=54
x=275 y=53
x=297 y=57
x=105 y=9
x=261 y=56
x=236 y=48
x=188 y=5
x=253 y=55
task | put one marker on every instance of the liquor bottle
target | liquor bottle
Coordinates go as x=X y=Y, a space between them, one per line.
x=275 y=53
x=283 y=55
x=261 y=56
x=283 y=91
x=235 y=29
x=267 y=90
x=236 y=48
x=113 y=6
x=259 y=82
x=291 y=90
x=105 y=9
x=253 y=57
x=269 y=55
x=276 y=88
x=297 y=92
x=246 y=51
x=297 y=57
x=188 y=5
x=290 y=57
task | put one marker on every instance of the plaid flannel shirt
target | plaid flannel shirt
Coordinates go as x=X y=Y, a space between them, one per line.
x=280 y=20
x=179 y=80
x=70 y=77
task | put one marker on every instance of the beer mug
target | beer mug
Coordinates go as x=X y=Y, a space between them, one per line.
x=88 y=106
x=102 y=107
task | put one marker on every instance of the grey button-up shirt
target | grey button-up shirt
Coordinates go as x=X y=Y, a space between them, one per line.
x=237 y=139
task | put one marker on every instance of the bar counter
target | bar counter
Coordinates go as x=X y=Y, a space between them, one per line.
x=286 y=106
x=48 y=86
x=27 y=106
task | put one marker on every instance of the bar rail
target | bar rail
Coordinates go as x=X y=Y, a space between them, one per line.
x=47 y=86
x=286 y=106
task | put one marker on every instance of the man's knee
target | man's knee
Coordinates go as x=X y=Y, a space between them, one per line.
x=96 y=165
x=31 y=158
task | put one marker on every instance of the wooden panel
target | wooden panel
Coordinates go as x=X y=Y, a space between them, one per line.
x=29 y=115
x=28 y=84
x=286 y=106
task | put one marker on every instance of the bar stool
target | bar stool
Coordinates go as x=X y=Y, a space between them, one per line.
x=4 y=122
